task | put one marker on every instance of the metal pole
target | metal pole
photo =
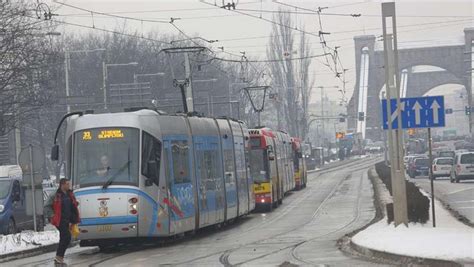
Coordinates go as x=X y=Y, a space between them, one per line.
x=189 y=88
x=30 y=148
x=230 y=104
x=104 y=85
x=238 y=109
x=431 y=177
x=212 y=105
x=322 y=115
x=258 y=113
x=66 y=72
x=183 y=96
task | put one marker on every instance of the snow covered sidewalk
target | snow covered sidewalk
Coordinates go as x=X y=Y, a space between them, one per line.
x=26 y=241
x=451 y=240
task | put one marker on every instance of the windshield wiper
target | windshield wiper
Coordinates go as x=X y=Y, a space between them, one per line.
x=127 y=164
x=112 y=178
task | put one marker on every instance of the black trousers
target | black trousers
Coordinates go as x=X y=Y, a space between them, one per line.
x=64 y=238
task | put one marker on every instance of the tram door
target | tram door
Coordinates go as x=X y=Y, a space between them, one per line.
x=181 y=197
x=201 y=177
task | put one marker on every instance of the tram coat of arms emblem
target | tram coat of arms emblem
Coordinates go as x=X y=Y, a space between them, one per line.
x=103 y=209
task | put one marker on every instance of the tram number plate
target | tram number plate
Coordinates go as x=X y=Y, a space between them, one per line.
x=258 y=188
x=104 y=228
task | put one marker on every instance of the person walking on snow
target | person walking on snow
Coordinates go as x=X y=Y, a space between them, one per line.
x=61 y=209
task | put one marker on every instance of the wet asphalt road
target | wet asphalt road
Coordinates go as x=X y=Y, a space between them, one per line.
x=458 y=196
x=302 y=231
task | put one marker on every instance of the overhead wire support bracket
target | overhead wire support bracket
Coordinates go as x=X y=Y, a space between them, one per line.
x=185 y=84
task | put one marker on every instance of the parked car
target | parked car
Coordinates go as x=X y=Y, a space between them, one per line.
x=13 y=217
x=446 y=153
x=463 y=167
x=409 y=161
x=419 y=166
x=442 y=167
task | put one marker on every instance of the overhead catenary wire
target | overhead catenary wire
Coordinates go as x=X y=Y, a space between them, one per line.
x=107 y=31
x=112 y=15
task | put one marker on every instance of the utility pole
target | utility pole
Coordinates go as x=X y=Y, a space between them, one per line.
x=395 y=138
x=189 y=87
x=66 y=71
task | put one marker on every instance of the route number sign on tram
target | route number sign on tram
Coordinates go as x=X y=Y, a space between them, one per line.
x=416 y=112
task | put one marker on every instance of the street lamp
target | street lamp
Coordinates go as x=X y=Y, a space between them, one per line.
x=66 y=69
x=104 y=70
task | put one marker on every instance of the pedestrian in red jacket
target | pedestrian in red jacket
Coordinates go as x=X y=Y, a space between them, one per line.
x=63 y=213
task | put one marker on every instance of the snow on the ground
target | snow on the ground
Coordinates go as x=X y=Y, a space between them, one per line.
x=27 y=240
x=450 y=240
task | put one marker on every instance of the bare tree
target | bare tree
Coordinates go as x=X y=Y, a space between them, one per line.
x=290 y=78
x=305 y=86
x=25 y=64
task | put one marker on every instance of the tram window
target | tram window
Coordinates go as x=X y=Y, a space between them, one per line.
x=180 y=155
x=151 y=157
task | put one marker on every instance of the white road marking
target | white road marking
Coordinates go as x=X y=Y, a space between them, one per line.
x=464 y=201
x=464 y=208
x=461 y=190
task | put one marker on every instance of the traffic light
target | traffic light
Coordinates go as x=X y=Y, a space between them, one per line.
x=361 y=116
x=449 y=111
x=468 y=110
x=340 y=135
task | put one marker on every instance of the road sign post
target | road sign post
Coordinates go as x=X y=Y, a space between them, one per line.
x=30 y=152
x=31 y=161
x=417 y=112
x=431 y=176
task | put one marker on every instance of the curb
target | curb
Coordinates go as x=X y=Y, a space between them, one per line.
x=32 y=252
x=346 y=245
x=401 y=259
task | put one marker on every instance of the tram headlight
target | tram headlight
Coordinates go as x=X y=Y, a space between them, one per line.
x=2 y=208
x=133 y=206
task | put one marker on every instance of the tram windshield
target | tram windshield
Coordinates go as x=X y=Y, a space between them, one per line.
x=106 y=156
x=259 y=165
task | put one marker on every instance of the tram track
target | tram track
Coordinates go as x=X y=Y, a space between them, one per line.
x=294 y=246
x=224 y=255
x=294 y=250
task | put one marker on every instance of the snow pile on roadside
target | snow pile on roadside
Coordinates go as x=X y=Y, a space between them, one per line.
x=27 y=240
x=419 y=241
x=450 y=240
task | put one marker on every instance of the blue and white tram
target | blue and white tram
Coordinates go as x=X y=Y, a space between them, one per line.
x=142 y=174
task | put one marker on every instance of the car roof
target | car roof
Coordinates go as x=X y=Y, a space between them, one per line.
x=422 y=158
x=465 y=152
x=443 y=158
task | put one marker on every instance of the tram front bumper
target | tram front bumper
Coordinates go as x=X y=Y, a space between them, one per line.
x=263 y=199
x=108 y=227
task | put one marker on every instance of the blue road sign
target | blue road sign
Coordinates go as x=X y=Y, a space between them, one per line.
x=416 y=112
